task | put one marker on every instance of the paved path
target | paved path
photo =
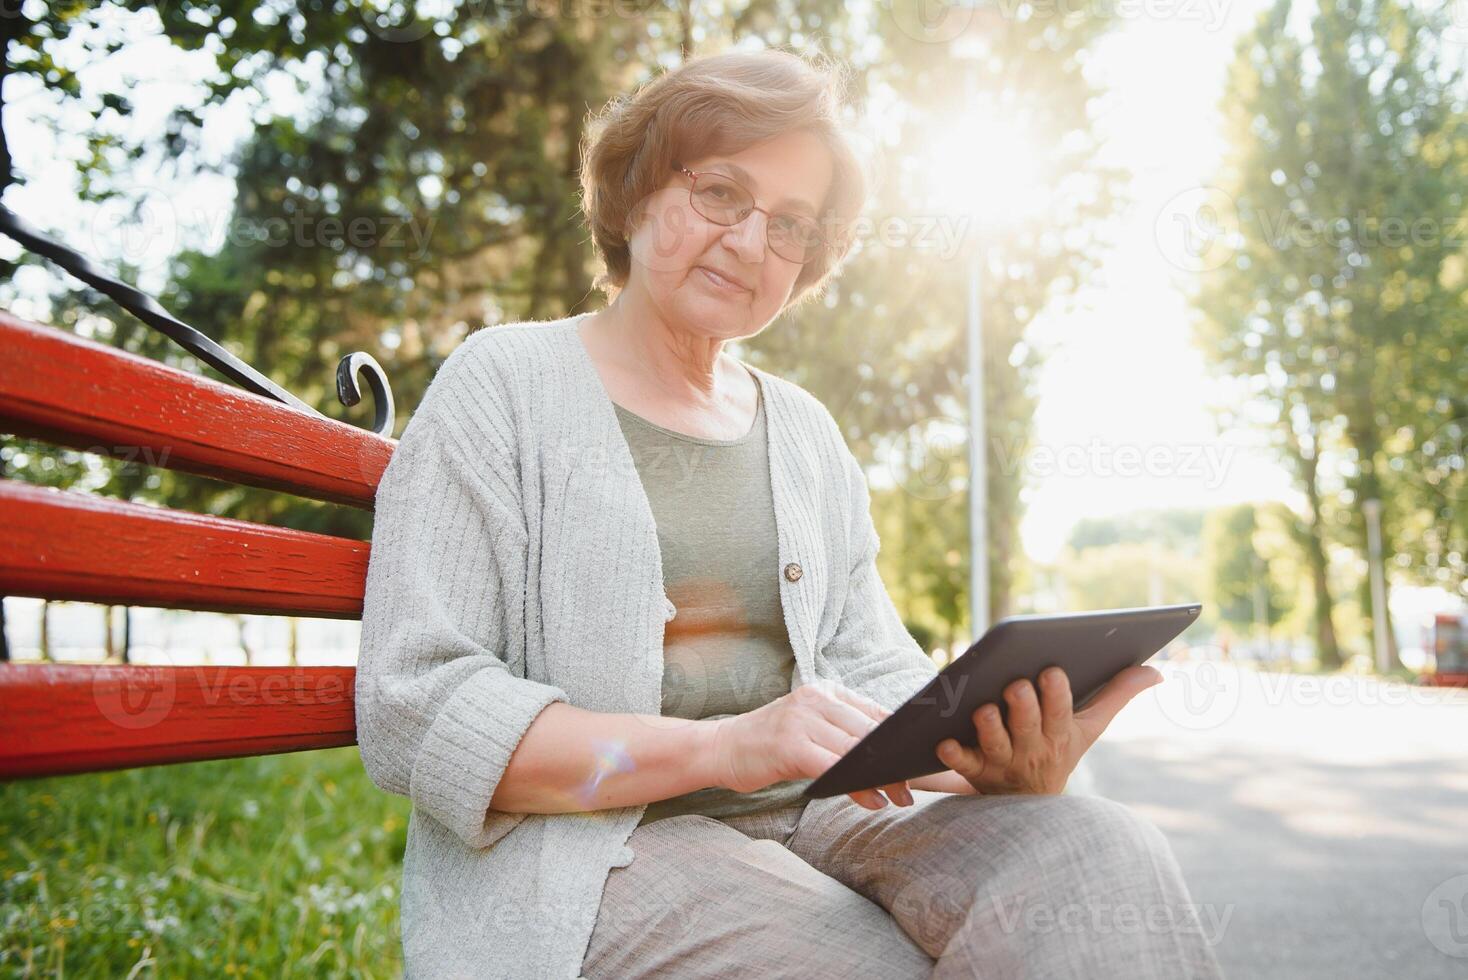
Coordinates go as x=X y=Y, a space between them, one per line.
x=1322 y=821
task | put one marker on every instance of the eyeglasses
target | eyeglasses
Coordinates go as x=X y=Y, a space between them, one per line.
x=725 y=201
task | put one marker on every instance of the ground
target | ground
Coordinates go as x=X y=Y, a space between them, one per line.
x=1321 y=820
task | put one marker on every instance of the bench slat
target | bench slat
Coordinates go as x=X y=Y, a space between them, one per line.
x=62 y=544
x=64 y=389
x=70 y=718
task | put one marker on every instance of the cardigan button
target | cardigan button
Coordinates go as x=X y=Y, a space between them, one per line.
x=792 y=572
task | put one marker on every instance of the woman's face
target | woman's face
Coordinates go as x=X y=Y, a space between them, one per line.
x=674 y=248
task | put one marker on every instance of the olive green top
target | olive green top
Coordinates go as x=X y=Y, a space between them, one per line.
x=726 y=650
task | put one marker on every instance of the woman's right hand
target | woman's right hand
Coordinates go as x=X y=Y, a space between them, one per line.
x=799 y=736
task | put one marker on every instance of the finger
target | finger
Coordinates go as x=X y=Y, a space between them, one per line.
x=993 y=739
x=813 y=759
x=968 y=763
x=899 y=793
x=837 y=726
x=1094 y=717
x=1055 y=703
x=1024 y=715
x=861 y=702
x=816 y=759
x=824 y=695
x=831 y=737
x=846 y=715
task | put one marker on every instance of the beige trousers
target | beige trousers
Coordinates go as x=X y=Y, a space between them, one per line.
x=953 y=886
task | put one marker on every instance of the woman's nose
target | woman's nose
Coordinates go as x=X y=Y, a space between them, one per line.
x=747 y=238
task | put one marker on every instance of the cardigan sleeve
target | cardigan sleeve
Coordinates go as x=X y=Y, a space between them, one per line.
x=871 y=649
x=441 y=698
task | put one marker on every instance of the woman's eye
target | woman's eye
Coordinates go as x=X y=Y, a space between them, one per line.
x=796 y=229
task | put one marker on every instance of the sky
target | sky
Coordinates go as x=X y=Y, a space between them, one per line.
x=1121 y=369
x=1123 y=421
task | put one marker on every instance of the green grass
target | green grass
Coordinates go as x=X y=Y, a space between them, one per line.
x=279 y=866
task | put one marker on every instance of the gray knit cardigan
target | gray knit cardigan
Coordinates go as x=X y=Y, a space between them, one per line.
x=515 y=562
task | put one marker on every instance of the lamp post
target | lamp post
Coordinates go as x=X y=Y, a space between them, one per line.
x=982 y=167
x=972 y=44
x=1372 y=509
x=978 y=463
x=990 y=185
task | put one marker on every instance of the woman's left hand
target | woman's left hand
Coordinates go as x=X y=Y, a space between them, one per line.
x=1045 y=739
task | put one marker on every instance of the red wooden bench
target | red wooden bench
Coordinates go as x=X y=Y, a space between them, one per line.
x=58 y=544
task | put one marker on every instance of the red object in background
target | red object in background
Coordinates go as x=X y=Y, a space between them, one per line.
x=1450 y=647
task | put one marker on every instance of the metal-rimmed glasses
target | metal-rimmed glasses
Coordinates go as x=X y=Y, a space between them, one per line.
x=724 y=201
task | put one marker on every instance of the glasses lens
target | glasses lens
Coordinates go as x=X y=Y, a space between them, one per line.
x=794 y=238
x=720 y=199
x=725 y=201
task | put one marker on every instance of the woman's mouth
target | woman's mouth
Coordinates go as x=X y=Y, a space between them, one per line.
x=720 y=283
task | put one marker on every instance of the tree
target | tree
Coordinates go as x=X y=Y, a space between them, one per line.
x=886 y=350
x=1180 y=530
x=1340 y=142
x=1242 y=586
x=452 y=140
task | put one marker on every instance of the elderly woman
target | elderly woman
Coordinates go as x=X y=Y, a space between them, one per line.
x=623 y=607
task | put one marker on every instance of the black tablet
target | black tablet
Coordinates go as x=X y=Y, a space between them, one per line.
x=1091 y=647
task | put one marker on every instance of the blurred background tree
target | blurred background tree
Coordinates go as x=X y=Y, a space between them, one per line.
x=407 y=175
x=453 y=140
x=1336 y=286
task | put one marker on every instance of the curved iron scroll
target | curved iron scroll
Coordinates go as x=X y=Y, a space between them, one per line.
x=145 y=308
x=348 y=392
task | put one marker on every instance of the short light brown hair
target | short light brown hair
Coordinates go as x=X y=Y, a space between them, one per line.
x=716 y=105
